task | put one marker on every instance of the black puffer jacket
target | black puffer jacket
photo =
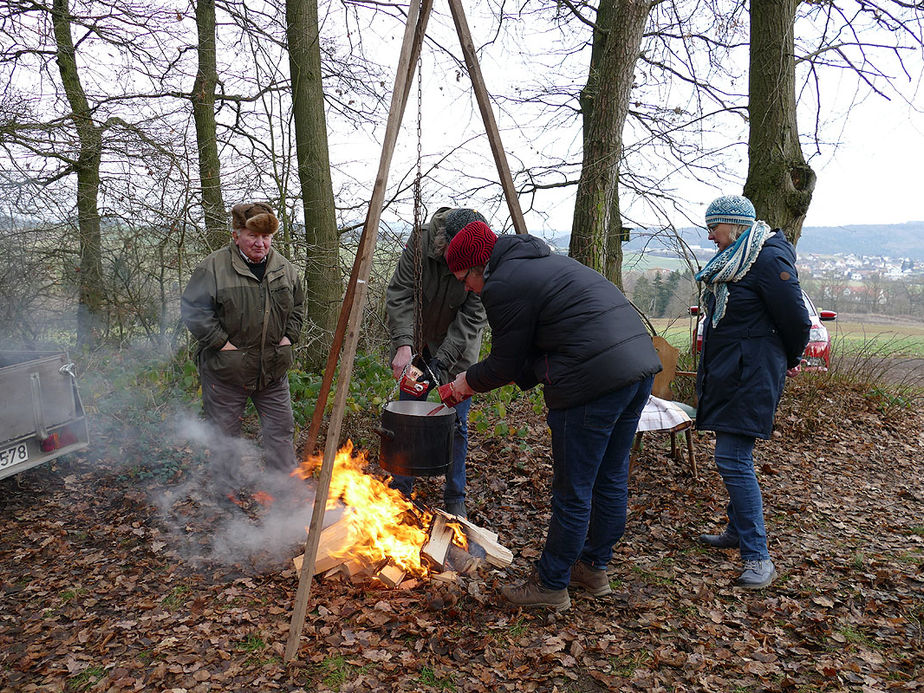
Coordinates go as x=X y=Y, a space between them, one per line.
x=764 y=330
x=557 y=322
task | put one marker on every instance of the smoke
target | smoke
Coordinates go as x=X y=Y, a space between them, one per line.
x=232 y=510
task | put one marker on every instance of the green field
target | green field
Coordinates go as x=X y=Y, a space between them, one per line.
x=851 y=337
x=881 y=339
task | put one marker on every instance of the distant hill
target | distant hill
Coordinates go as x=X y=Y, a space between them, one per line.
x=889 y=240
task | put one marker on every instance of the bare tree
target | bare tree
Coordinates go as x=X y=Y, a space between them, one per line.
x=780 y=182
x=617 y=36
x=86 y=166
x=203 y=102
x=322 y=277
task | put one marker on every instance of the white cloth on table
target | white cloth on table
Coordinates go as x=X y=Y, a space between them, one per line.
x=662 y=415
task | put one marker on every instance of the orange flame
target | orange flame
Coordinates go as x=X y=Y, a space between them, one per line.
x=378 y=515
x=263 y=498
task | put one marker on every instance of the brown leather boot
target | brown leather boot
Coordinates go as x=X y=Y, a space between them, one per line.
x=533 y=593
x=594 y=581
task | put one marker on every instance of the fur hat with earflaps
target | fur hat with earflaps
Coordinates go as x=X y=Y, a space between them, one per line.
x=255 y=216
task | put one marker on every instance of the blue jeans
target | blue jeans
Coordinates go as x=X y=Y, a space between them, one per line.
x=590 y=465
x=455 y=475
x=733 y=458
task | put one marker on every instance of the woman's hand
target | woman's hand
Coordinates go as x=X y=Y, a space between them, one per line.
x=793 y=372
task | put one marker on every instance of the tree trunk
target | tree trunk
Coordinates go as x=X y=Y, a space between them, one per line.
x=322 y=268
x=780 y=182
x=616 y=235
x=203 y=103
x=90 y=316
x=604 y=107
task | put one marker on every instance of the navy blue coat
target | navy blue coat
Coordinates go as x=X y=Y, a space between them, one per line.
x=558 y=322
x=744 y=359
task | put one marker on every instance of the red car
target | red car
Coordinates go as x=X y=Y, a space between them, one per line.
x=817 y=354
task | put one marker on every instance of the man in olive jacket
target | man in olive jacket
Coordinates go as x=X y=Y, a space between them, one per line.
x=451 y=322
x=244 y=304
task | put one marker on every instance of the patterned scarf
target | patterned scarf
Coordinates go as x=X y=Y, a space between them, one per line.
x=731 y=264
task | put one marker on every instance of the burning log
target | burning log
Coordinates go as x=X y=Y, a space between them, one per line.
x=391 y=575
x=337 y=555
x=335 y=542
x=383 y=535
x=496 y=554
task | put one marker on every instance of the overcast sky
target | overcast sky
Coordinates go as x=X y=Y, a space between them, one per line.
x=872 y=175
x=877 y=175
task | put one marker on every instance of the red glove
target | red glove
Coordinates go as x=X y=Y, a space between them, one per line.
x=448 y=396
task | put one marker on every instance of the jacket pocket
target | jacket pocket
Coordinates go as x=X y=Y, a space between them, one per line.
x=282 y=297
x=281 y=361
x=228 y=366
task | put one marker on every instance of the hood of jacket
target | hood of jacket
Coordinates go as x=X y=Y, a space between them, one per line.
x=436 y=227
x=519 y=246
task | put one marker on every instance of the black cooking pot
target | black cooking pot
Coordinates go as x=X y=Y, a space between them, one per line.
x=414 y=444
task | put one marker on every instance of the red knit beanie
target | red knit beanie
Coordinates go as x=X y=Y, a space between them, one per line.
x=470 y=247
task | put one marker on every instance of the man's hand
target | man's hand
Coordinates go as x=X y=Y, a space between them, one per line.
x=229 y=347
x=285 y=341
x=793 y=372
x=402 y=358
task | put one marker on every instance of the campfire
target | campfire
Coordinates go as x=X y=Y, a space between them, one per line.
x=380 y=533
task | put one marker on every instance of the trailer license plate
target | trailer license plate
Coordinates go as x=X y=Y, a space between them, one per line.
x=13 y=455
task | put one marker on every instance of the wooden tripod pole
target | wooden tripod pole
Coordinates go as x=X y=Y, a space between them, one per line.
x=500 y=159
x=349 y=296
x=350 y=319
x=487 y=115
x=410 y=50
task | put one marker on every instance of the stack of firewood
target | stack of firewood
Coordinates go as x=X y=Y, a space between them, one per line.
x=441 y=554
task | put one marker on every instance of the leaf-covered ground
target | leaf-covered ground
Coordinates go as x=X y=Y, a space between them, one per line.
x=112 y=581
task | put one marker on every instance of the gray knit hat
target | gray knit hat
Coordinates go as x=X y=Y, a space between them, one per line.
x=458 y=219
x=731 y=209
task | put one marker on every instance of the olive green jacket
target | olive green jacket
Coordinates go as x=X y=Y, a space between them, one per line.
x=225 y=302
x=452 y=318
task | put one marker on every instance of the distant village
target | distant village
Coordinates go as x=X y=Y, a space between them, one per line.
x=858 y=268
x=850 y=267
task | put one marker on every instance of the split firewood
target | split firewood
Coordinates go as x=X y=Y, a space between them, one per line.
x=334 y=542
x=437 y=547
x=349 y=568
x=461 y=561
x=391 y=575
x=496 y=554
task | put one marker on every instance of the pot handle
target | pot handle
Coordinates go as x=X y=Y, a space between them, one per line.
x=385 y=433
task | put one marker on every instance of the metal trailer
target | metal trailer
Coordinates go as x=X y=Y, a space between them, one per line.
x=41 y=415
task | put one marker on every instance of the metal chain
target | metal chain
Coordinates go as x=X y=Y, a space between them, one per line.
x=418 y=220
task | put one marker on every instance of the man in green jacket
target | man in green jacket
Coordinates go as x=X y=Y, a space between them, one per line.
x=451 y=320
x=244 y=304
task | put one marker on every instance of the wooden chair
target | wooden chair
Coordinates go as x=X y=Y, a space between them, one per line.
x=662 y=390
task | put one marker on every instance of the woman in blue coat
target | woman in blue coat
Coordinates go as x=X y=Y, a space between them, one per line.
x=756 y=329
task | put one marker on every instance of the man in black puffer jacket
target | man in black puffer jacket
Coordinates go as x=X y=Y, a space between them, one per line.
x=559 y=323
